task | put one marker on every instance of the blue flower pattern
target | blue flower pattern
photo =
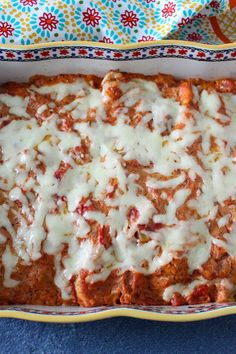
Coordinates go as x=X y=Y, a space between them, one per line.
x=35 y=21
x=15 y=24
x=27 y=8
x=79 y=17
x=112 y=3
x=108 y=36
x=70 y=2
x=137 y=14
x=150 y=34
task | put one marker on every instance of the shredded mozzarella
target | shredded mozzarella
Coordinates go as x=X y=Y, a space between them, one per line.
x=51 y=195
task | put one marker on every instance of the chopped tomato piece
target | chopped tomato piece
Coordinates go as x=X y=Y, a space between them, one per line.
x=65 y=125
x=200 y=291
x=61 y=171
x=151 y=227
x=114 y=184
x=199 y=295
x=226 y=85
x=18 y=203
x=185 y=93
x=133 y=163
x=179 y=126
x=177 y=299
x=104 y=237
x=114 y=92
x=82 y=208
x=133 y=215
x=101 y=234
x=81 y=152
x=155 y=226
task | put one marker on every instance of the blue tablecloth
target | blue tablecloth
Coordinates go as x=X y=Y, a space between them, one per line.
x=119 y=335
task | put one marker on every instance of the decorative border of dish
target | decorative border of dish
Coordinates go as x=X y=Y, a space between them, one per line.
x=103 y=51
x=157 y=313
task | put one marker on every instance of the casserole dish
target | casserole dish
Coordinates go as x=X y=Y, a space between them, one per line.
x=176 y=58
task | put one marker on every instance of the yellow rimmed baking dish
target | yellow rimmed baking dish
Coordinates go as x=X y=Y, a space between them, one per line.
x=179 y=58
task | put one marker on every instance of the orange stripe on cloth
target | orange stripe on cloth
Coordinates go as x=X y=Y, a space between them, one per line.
x=218 y=31
x=232 y=3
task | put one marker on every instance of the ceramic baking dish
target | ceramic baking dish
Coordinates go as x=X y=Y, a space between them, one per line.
x=182 y=59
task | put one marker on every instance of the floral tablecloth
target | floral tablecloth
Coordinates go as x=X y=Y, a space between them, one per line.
x=116 y=21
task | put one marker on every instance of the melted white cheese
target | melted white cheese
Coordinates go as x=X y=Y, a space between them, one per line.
x=184 y=290
x=61 y=90
x=17 y=105
x=47 y=224
x=9 y=261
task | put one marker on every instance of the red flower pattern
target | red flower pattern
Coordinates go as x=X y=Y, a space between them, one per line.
x=214 y=4
x=201 y=54
x=99 y=53
x=219 y=55
x=83 y=51
x=6 y=29
x=118 y=55
x=168 y=10
x=185 y=21
x=48 y=21
x=10 y=55
x=28 y=2
x=91 y=17
x=45 y=53
x=64 y=51
x=106 y=40
x=233 y=54
x=196 y=37
x=136 y=54
x=183 y=51
x=171 y=51
x=129 y=19
x=153 y=51
x=199 y=16
x=28 y=55
x=146 y=39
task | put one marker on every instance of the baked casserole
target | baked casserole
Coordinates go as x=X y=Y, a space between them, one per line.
x=119 y=190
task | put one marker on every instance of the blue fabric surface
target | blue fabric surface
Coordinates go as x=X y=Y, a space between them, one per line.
x=119 y=335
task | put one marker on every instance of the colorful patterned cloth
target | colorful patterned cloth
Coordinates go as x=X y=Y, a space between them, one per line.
x=116 y=21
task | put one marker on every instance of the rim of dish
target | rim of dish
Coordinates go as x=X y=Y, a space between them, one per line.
x=123 y=312
x=167 y=42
